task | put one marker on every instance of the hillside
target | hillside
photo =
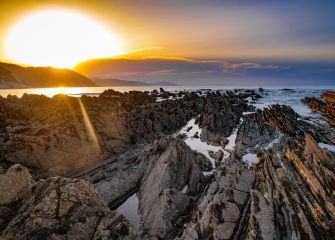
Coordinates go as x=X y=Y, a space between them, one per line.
x=7 y=80
x=40 y=77
x=6 y=76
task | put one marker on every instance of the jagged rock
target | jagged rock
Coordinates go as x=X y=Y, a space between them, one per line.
x=287 y=194
x=263 y=128
x=254 y=130
x=159 y=173
x=296 y=180
x=58 y=208
x=222 y=114
x=63 y=135
x=329 y=97
x=176 y=167
x=261 y=224
x=221 y=210
x=204 y=163
x=326 y=106
x=291 y=196
x=218 y=156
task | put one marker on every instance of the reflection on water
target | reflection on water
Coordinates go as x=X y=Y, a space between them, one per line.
x=50 y=92
x=190 y=130
x=91 y=91
x=327 y=146
x=130 y=209
x=250 y=158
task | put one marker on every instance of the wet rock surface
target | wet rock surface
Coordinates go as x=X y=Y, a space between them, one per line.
x=129 y=147
x=325 y=105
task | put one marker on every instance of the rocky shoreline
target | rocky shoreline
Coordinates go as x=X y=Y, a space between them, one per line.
x=198 y=165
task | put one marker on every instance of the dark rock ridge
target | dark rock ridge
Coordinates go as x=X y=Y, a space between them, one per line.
x=222 y=209
x=162 y=203
x=286 y=193
x=158 y=173
x=221 y=115
x=326 y=106
x=65 y=134
x=265 y=127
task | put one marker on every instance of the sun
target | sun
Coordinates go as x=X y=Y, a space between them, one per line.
x=59 y=38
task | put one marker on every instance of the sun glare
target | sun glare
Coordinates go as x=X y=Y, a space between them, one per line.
x=59 y=38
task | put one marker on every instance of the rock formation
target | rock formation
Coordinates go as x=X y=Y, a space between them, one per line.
x=221 y=115
x=158 y=173
x=120 y=145
x=65 y=134
x=58 y=208
x=326 y=106
x=222 y=209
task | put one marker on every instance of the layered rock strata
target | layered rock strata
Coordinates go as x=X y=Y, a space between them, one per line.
x=285 y=192
x=325 y=105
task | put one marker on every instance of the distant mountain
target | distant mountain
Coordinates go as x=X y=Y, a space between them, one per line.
x=6 y=76
x=117 y=82
x=12 y=75
x=7 y=80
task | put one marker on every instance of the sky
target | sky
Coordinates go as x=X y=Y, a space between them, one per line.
x=282 y=34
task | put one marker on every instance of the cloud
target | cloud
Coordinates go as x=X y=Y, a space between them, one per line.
x=141 y=50
x=186 y=71
x=161 y=73
x=249 y=65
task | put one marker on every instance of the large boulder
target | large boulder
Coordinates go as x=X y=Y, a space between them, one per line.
x=14 y=184
x=167 y=175
x=162 y=203
x=60 y=208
